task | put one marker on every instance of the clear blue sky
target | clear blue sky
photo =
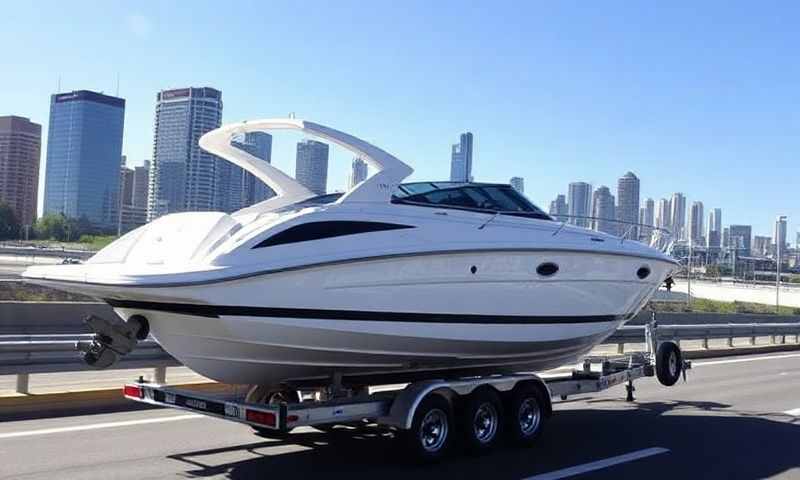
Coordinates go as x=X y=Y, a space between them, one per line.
x=700 y=98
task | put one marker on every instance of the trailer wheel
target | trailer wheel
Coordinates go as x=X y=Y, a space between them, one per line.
x=526 y=416
x=669 y=363
x=431 y=433
x=261 y=394
x=481 y=420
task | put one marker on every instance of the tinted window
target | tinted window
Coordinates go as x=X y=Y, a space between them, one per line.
x=320 y=230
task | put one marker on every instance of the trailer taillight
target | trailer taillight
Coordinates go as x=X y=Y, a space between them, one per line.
x=264 y=418
x=132 y=391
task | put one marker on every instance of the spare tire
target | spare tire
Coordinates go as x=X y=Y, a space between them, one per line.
x=669 y=363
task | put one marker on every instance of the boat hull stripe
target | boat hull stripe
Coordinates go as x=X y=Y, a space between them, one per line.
x=356 y=315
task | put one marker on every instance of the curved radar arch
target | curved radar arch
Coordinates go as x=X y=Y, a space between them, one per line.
x=378 y=187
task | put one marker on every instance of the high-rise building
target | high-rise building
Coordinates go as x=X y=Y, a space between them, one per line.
x=311 y=168
x=663 y=214
x=779 y=237
x=579 y=201
x=740 y=238
x=628 y=204
x=184 y=177
x=518 y=184
x=603 y=211
x=358 y=173
x=678 y=216
x=259 y=145
x=762 y=246
x=696 y=223
x=714 y=236
x=647 y=217
x=141 y=183
x=20 y=154
x=84 y=148
x=559 y=209
x=461 y=159
x=126 y=185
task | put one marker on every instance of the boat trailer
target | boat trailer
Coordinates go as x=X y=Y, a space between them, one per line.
x=427 y=414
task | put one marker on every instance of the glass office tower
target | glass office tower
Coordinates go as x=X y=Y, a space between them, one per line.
x=84 y=147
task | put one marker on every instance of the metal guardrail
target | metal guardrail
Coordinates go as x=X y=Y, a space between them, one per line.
x=23 y=355
x=778 y=333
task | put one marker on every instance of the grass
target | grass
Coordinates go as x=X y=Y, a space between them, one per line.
x=24 y=292
x=703 y=305
x=96 y=242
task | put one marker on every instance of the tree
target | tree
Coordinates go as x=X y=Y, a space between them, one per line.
x=52 y=226
x=9 y=224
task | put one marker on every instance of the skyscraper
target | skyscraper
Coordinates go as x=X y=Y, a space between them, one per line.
x=131 y=214
x=628 y=204
x=696 y=223
x=20 y=153
x=358 y=172
x=559 y=209
x=579 y=202
x=461 y=159
x=647 y=217
x=141 y=183
x=183 y=177
x=762 y=246
x=126 y=178
x=84 y=148
x=663 y=214
x=714 y=236
x=259 y=145
x=518 y=183
x=311 y=167
x=603 y=211
x=678 y=216
x=741 y=238
x=779 y=237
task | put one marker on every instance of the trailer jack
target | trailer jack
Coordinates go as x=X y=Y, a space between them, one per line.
x=111 y=340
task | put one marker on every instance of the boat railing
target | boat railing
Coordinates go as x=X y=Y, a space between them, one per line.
x=656 y=237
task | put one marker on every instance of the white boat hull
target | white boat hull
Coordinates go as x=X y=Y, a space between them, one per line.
x=386 y=316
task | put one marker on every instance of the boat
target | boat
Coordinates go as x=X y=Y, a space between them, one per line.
x=386 y=282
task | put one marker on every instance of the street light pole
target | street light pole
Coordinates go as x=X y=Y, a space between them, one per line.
x=689 y=277
x=778 y=252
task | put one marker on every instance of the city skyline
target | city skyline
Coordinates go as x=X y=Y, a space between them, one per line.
x=665 y=123
x=628 y=185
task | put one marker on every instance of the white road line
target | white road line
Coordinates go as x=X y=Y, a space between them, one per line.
x=590 y=467
x=95 y=426
x=743 y=360
x=794 y=413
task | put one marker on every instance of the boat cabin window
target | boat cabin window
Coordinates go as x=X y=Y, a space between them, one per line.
x=488 y=198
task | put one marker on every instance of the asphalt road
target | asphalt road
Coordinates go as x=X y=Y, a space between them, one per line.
x=728 y=421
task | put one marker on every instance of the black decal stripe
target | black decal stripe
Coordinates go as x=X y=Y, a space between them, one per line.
x=359 y=315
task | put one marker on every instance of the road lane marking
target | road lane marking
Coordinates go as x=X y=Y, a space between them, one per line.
x=96 y=426
x=742 y=360
x=592 y=466
x=794 y=413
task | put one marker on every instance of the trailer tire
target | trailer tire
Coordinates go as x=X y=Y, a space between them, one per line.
x=261 y=394
x=481 y=421
x=431 y=433
x=526 y=415
x=669 y=363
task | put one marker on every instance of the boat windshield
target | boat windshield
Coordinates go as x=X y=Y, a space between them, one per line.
x=481 y=197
